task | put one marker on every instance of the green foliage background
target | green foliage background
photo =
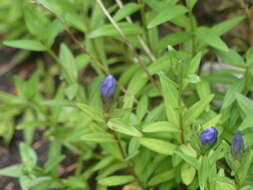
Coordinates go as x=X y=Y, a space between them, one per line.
x=165 y=97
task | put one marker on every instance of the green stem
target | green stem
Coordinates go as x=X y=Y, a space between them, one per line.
x=181 y=125
x=129 y=164
x=237 y=182
x=123 y=153
x=51 y=52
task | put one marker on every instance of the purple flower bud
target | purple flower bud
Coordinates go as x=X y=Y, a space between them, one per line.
x=237 y=145
x=107 y=88
x=208 y=136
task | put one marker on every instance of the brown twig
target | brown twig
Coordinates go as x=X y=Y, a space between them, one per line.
x=143 y=44
x=14 y=62
x=10 y=186
x=124 y=38
x=249 y=16
x=82 y=47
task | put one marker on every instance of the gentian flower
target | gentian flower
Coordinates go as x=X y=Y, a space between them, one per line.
x=208 y=136
x=237 y=145
x=107 y=88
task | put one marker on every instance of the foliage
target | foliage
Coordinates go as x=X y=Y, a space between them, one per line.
x=148 y=135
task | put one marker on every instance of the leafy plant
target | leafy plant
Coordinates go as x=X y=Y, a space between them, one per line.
x=147 y=132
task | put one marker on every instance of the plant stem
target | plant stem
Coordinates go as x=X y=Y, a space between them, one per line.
x=146 y=48
x=237 y=182
x=129 y=164
x=130 y=46
x=83 y=48
x=144 y=21
x=181 y=125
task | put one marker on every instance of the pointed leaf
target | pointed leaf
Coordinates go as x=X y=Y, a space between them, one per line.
x=245 y=104
x=170 y=95
x=160 y=126
x=108 y=30
x=157 y=145
x=125 y=11
x=195 y=110
x=209 y=37
x=122 y=127
x=167 y=14
x=116 y=180
x=32 y=45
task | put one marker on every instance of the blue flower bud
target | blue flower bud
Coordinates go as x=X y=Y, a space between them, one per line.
x=107 y=88
x=237 y=145
x=208 y=136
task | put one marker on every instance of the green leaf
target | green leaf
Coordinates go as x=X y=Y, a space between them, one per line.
x=53 y=163
x=245 y=166
x=160 y=5
x=36 y=22
x=224 y=186
x=194 y=64
x=227 y=25
x=249 y=56
x=133 y=148
x=212 y=122
x=32 y=45
x=189 y=159
x=191 y=3
x=248 y=143
x=209 y=37
x=203 y=172
x=32 y=86
x=54 y=29
x=173 y=39
x=187 y=173
x=230 y=96
x=192 y=78
x=161 y=178
x=10 y=99
x=128 y=29
x=116 y=180
x=203 y=89
x=230 y=57
x=122 y=127
x=125 y=11
x=188 y=150
x=28 y=155
x=195 y=110
x=25 y=182
x=91 y=112
x=58 y=103
x=142 y=107
x=245 y=104
x=75 y=20
x=75 y=182
x=12 y=171
x=103 y=163
x=98 y=137
x=167 y=14
x=157 y=145
x=170 y=95
x=71 y=91
x=160 y=126
x=217 y=154
x=247 y=123
x=67 y=62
